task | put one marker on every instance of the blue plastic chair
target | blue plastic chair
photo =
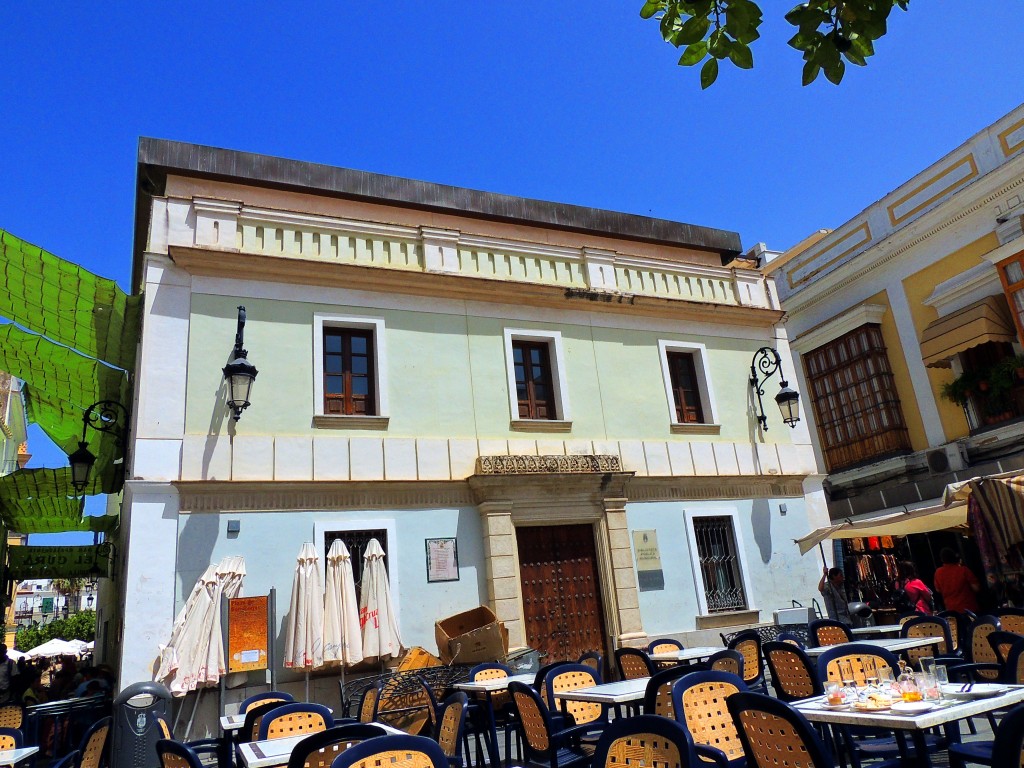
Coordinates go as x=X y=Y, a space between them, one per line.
x=662 y=741
x=368 y=753
x=1007 y=748
x=712 y=733
x=752 y=712
x=267 y=724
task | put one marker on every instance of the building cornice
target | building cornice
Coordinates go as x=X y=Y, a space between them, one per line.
x=839 y=326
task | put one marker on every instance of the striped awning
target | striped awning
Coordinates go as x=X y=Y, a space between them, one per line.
x=978 y=323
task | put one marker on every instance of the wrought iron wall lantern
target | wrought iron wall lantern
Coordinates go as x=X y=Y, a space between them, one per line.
x=104 y=416
x=767 y=363
x=239 y=373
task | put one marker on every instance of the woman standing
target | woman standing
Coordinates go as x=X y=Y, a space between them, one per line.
x=917 y=592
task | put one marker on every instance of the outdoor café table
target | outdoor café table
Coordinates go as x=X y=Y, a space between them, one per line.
x=263 y=754
x=877 y=629
x=945 y=714
x=893 y=644
x=489 y=688
x=613 y=694
x=15 y=756
x=687 y=654
x=234 y=722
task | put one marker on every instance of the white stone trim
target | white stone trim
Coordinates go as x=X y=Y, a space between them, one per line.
x=558 y=378
x=357 y=523
x=840 y=326
x=380 y=377
x=737 y=531
x=960 y=290
x=707 y=392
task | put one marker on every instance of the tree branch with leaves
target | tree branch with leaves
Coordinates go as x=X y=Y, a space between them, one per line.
x=829 y=33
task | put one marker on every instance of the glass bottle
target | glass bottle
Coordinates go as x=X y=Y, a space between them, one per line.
x=909 y=689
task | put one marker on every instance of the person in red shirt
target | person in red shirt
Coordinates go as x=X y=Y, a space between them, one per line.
x=956 y=583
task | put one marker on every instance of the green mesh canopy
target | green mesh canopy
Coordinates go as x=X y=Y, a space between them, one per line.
x=43 y=501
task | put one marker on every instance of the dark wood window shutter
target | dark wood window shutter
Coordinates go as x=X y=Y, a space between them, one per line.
x=349 y=383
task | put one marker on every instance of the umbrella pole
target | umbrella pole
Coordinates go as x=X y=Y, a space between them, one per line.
x=188 y=729
x=307 y=683
x=822 y=550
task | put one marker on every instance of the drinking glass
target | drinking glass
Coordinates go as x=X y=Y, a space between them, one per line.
x=927 y=664
x=929 y=687
x=833 y=693
x=941 y=677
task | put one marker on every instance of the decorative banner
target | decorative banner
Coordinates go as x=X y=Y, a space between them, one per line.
x=247 y=633
x=442 y=560
x=649 y=575
x=31 y=562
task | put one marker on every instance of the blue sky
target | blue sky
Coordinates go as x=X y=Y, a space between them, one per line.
x=578 y=103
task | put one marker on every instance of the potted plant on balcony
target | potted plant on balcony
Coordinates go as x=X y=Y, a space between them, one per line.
x=960 y=389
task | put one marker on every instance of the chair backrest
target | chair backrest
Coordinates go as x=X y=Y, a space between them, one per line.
x=318 y=750
x=773 y=733
x=70 y=760
x=664 y=645
x=854 y=661
x=94 y=744
x=1013 y=669
x=451 y=724
x=370 y=702
x=793 y=673
x=295 y=719
x=11 y=716
x=174 y=754
x=10 y=738
x=927 y=626
x=1011 y=619
x=267 y=697
x=978 y=647
x=534 y=719
x=250 y=730
x=825 y=632
x=658 y=694
x=165 y=728
x=727 y=660
x=593 y=659
x=633 y=663
x=1008 y=745
x=394 y=752
x=957 y=624
x=748 y=642
x=492 y=671
x=645 y=740
x=570 y=677
x=699 y=702
x=541 y=675
x=791 y=637
x=1001 y=642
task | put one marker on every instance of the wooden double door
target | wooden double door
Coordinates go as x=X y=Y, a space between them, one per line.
x=562 y=602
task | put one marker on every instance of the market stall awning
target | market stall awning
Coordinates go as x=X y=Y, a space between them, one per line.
x=934 y=518
x=983 y=321
x=1001 y=500
x=43 y=501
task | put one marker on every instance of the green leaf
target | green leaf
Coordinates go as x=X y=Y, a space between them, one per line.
x=693 y=30
x=861 y=46
x=718 y=44
x=747 y=37
x=810 y=72
x=835 y=72
x=855 y=58
x=804 y=40
x=708 y=73
x=650 y=8
x=741 y=56
x=694 y=53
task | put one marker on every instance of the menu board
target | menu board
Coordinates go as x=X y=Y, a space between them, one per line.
x=247 y=633
x=442 y=560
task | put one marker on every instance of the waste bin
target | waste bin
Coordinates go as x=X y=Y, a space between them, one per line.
x=136 y=730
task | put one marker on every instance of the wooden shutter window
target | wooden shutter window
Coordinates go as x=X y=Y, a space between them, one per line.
x=349 y=383
x=685 y=390
x=855 y=401
x=531 y=361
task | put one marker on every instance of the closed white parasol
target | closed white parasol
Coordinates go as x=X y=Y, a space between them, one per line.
x=379 y=625
x=343 y=642
x=303 y=640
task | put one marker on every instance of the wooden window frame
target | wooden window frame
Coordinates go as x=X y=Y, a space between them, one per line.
x=697 y=353
x=531 y=406
x=379 y=382
x=349 y=401
x=1012 y=288
x=560 y=419
x=856 y=404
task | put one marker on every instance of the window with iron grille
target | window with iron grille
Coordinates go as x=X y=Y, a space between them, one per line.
x=855 y=401
x=719 y=564
x=356 y=542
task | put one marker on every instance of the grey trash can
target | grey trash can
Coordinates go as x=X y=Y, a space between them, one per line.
x=136 y=730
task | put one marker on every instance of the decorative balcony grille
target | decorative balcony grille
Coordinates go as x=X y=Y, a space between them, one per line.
x=719 y=564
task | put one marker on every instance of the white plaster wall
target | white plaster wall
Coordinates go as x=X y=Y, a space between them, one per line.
x=777 y=572
x=270 y=541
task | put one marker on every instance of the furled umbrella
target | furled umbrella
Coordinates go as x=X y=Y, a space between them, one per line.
x=343 y=642
x=303 y=640
x=380 y=628
x=176 y=656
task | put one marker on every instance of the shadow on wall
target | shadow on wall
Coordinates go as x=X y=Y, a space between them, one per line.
x=761 y=523
x=195 y=548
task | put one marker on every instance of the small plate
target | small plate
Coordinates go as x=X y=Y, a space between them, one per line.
x=826 y=705
x=864 y=706
x=976 y=691
x=911 y=707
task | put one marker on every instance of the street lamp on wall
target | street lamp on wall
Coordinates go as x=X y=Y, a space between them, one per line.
x=767 y=363
x=239 y=373
x=104 y=416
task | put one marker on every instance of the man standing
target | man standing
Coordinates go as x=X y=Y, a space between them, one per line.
x=956 y=583
x=832 y=590
x=7 y=675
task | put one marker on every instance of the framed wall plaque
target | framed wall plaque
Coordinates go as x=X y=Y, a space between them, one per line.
x=442 y=560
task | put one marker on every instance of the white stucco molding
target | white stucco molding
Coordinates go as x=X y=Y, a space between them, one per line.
x=840 y=326
x=440 y=249
x=960 y=290
x=559 y=382
x=380 y=363
x=1005 y=251
x=600 y=269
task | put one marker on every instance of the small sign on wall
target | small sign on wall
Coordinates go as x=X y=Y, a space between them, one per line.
x=442 y=560
x=247 y=633
x=649 y=575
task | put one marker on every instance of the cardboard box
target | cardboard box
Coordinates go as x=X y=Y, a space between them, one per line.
x=471 y=637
